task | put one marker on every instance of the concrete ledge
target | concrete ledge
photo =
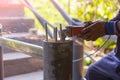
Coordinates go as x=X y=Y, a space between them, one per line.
x=38 y=75
x=21 y=64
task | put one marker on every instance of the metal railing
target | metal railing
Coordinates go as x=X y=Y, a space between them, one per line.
x=23 y=47
x=41 y=20
x=18 y=46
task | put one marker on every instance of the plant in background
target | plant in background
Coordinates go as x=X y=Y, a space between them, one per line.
x=97 y=9
x=84 y=10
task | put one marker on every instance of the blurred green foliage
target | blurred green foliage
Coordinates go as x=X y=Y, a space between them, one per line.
x=83 y=10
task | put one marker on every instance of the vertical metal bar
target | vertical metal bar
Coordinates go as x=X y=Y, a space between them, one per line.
x=1 y=64
x=55 y=34
x=1 y=58
x=58 y=60
x=46 y=31
x=60 y=32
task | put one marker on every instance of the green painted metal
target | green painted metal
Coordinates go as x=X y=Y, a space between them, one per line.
x=23 y=47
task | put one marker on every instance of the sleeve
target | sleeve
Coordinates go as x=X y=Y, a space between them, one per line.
x=112 y=27
x=117 y=17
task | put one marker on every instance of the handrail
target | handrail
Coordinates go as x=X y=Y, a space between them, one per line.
x=38 y=16
x=23 y=47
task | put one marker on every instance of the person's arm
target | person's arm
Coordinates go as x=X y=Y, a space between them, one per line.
x=100 y=28
x=93 y=31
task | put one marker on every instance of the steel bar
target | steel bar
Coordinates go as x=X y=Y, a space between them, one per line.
x=46 y=30
x=1 y=59
x=58 y=60
x=77 y=49
x=65 y=15
x=60 y=32
x=55 y=34
x=39 y=17
x=23 y=47
x=1 y=65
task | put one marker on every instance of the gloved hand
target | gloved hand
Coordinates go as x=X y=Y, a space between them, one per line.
x=93 y=30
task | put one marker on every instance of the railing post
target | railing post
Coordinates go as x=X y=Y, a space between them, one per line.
x=1 y=58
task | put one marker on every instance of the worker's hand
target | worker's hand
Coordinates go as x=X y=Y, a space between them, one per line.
x=87 y=23
x=93 y=31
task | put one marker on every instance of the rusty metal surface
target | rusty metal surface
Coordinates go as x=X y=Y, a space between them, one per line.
x=23 y=47
x=58 y=60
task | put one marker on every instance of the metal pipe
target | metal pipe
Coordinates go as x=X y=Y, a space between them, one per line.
x=20 y=46
x=1 y=65
x=39 y=17
x=77 y=49
x=63 y=13
x=1 y=59
x=58 y=60
x=55 y=34
x=70 y=20
x=77 y=66
x=60 y=33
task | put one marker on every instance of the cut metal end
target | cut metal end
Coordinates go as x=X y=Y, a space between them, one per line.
x=46 y=30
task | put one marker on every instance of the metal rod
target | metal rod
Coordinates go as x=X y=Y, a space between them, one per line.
x=67 y=17
x=60 y=32
x=37 y=15
x=1 y=59
x=55 y=34
x=46 y=30
x=23 y=47
x=1 y=30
